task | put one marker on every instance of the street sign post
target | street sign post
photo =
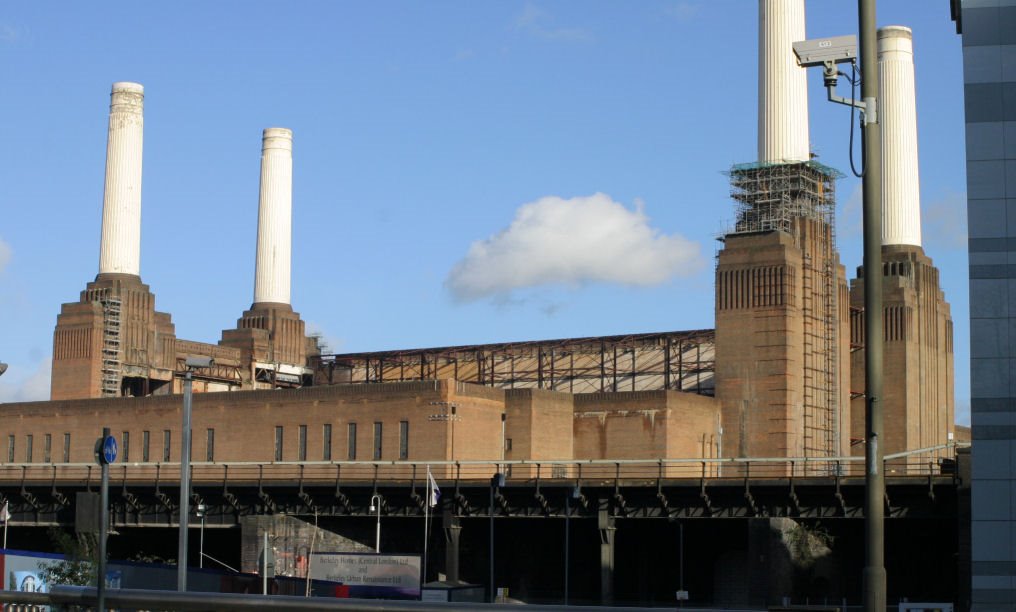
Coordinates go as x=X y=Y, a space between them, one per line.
x=105 y=453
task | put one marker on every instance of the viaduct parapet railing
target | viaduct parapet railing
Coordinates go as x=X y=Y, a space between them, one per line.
x=921 y=482
x=930 y=461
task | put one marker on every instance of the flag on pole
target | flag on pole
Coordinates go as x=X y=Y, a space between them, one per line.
x=5 y=517
x=435 y=493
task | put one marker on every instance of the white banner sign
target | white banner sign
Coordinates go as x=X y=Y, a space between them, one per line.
x=369 y=571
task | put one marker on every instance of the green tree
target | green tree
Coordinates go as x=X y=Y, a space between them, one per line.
x=81 y=564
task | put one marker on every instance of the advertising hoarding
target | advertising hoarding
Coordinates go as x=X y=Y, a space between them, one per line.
x=369 y=574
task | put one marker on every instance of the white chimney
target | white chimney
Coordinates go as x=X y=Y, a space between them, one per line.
x=782 y=84
x=901 y=197
x=120 y=248
x=275 y=209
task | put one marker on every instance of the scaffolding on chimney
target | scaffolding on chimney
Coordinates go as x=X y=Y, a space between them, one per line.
x=771 y=195
x=777 y=197
x=821 y=423
x=111 y=370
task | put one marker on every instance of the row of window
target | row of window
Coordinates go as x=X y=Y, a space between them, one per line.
x=326 y=441
x=123 y=456
x=125 y=444
x=167 y=446
x=47 y=448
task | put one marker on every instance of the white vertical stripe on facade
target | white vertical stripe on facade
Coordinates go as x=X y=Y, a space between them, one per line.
x=275 y=209
x=901 y=195
x=782 y=84
x=120 y=247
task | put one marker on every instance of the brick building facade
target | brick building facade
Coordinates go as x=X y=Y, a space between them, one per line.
x=400 y=421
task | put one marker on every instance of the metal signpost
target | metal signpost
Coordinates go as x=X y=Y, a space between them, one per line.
x=105 y=453
x=191 y=363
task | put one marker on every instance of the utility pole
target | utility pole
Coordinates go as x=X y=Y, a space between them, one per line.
x=185 y=459
x=106 y=453
x=185 y=443
x=874 y=477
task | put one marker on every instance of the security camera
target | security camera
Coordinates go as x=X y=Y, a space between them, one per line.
x=821 y=51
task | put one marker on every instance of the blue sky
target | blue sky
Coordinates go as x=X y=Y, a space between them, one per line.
x=421 y=130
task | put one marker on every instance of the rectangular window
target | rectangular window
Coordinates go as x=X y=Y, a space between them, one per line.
x=145 y=439
x=403 y=440
x=166 y=442
x=67 y=448
x=47 y=448
x=278 y=443
x=10 y=448
x=209 y=444
x=303 y=442
x=326 y=443
x=28 y=448
x=351 y=442
x=377 y=441
x=125 y=447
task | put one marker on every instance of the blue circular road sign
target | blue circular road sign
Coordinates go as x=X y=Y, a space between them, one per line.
x=109 y=449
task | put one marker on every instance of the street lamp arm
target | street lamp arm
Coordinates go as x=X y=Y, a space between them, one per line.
x=375 y=504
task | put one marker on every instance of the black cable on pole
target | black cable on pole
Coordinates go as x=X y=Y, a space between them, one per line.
x=853 y=98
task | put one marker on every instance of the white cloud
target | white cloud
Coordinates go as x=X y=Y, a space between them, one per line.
x=15 y=386
x=10 y=34
x=328 y=343
x=539 y=23
x=5 y=254
x=682 y=11
x=849 y=217
x=554 y=241
x=945 y=221
x=530 y=15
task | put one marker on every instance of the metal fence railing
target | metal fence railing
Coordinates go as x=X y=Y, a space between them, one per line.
x=84 y=597
x=920 y=462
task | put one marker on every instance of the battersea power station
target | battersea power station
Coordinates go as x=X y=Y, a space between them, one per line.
x=781 y=375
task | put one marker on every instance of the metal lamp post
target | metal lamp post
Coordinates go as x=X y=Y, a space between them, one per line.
x=185 y=447
x=874 y=478
x=825 y=53
x=496 y=482
x=375 y=504
x=201 y=551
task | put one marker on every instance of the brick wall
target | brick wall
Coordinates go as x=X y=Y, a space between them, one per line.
x=543 y=425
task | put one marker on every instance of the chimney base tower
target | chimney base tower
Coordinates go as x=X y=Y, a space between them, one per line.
x=112 y=342
x=270 y=336
x=782 y=317
x=273 y=346
x=919 y=389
